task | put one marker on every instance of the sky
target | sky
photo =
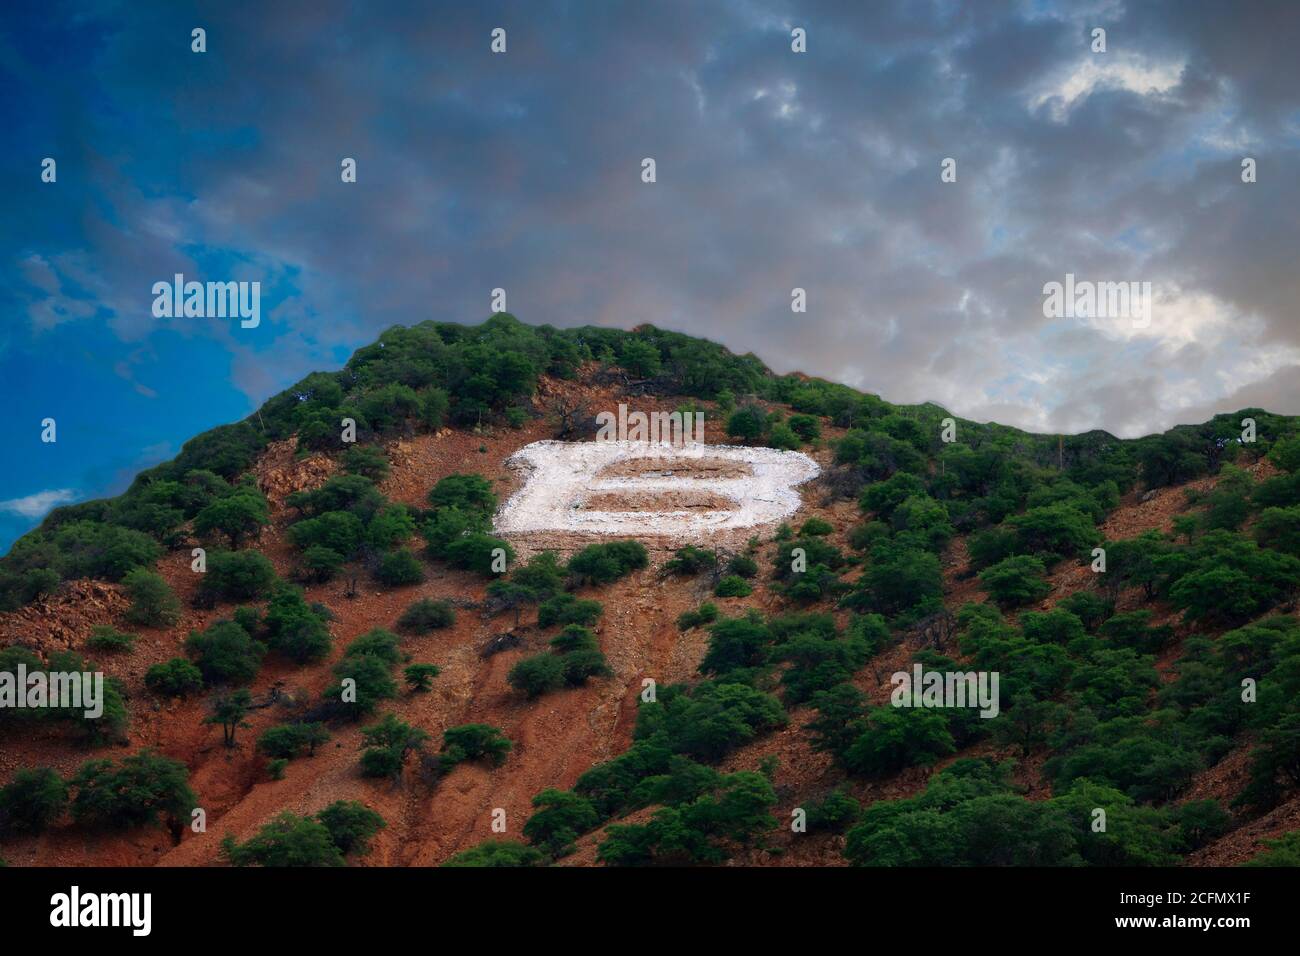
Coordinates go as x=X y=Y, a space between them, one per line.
x=523 y=170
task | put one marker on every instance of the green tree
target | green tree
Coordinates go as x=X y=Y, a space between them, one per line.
x=387 y=745
x=419 y=677
x=142 y=789
x=1015 y=581
x=351 y=825
x=559 y=818
x=152 y=602
x=229 y=711
x=237 y=516
x=426 y=615
x=226 y=654
x=537 y=675
x=174 y=678
x=32 y=801
x=495 y=853
x=288 y=840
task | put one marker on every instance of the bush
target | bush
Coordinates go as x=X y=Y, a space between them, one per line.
x=106 y=638
x=691 y=560
x=366 y=460
x=143 y=788
x=32 y=801
x=1089 y=607
x=704 y=614
x=534 y=676
x=176 y=678
x=419 y=677
x=387 y=745
x=152 y=601
x=781 y=436
x=566 y=609
x=1133 y=630
x=338 y=531
x=351 y=825
x=392 y=526
x=1016 y=581
x=901 y=578
x=475 y=552
x=226 y=654
x=238 y=515
x=286 y=741
x=897 y=738
x=747 y=423
x=470 y=493
x=473 y=742
x=321 y=564
x=605 y=563
x=237 y=576
x=743 y=566
x=806 y=427
x=288 y=840
x=815 y=527
x=560 y=817
x=398 y=568
x=497 y=853
x=835 y=812
x=294 y=629
x=426 y=615
x=733 y=586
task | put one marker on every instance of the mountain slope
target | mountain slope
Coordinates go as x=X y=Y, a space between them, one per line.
x=442 y=401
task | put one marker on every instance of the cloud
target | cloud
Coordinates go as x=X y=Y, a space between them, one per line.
x=39 y=504
x=817 y=170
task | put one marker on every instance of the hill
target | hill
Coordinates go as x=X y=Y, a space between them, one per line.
x=302 y=631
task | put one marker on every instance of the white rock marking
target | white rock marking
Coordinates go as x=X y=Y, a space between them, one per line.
x=560 y=476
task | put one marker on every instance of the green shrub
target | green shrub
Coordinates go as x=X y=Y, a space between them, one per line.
x=560 y=817
x=733 y=585
x=141 y=789
x=605 y=563
x=398 y=568
x=1015 y=581
x=175 y=678
x=419 y=677
x=152 y=601
x=534 y=676
x=32 y=801
x=691 y=560
x=478 y=552
x=496 y=853
x=566 y=609
x=815 y=527
x=106 y=638
x=286 y=741
x=366 y=460
x=321 y=564
x=704 y=614
x=288 y=840
x=237 y=576
x=351 y=825
x=225 y=653
x=426 y=615
x=474 y=742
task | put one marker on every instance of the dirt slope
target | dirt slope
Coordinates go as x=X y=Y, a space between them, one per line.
x=556 y=737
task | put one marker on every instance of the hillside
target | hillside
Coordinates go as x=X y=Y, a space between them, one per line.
x=922 y=538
